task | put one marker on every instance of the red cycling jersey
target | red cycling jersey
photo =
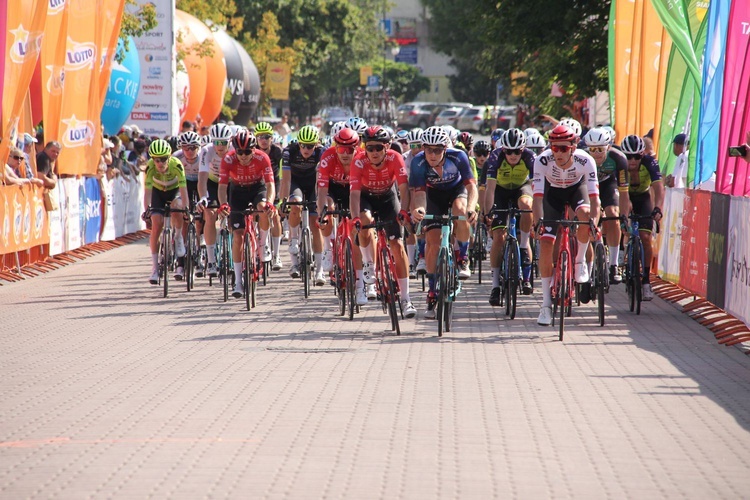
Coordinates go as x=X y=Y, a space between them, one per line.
x=331 y=169
x=378 y=181
x=259 y=169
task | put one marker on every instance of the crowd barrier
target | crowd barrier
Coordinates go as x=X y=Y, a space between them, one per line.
x=90 y=211
x=705 y=247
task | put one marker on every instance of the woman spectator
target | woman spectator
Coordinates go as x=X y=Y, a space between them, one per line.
x=15 y=170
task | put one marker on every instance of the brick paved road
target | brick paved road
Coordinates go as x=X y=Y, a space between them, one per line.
x=110 y=391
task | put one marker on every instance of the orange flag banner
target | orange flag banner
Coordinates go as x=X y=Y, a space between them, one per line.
x=25 y=219
x=53 y=67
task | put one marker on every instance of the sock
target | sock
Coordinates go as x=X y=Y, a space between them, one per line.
x=403 y=284
x=295 y=260
x=276 y=244
x=546 y=292
x=263 y=240
x=368 y=253
x=178 y=238
x=410 y=250
x=238 y=274
x=431 y=281
x=155 y=260
x=646 y=275
x=420 y=248
x=614 y=255
x=581 y=255
x=318 y=262
x=463 y=249
x=360 y=276
x=211 y=251
x=328 y=243
x=495 y=277
x=524 y=240
x=294 y=233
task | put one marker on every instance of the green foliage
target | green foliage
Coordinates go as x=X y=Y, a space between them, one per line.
x=135 y=22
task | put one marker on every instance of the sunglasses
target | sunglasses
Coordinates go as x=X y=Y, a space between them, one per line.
x=598 y=149
x=633 y=156
x=434 y=151
x=483 y=153
x=415 y=146
x=190 y=148
x=221 y=143
x=345 y=150
x=264 y=136
x=307 y=146
x=560 y=149
x=375 y=148
x=19 y=158
x=513 y=151
x=244 y=152
x=160 y=159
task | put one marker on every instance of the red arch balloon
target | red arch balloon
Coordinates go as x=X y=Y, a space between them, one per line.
x=195 y=65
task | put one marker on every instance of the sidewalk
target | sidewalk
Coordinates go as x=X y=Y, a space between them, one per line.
x=111 y=391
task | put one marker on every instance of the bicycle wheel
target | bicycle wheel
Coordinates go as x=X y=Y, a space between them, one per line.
x=190 y=256
x=350 y=278
x=638 y=274
x=563 y=297
x=442 y=289
x=166 y=257
x=513 y=280
x=390 y=297
x=600 y=269
x=225 y=262
x=452 y=283
x=304 y=260
x=339 y=288
x=247 y=268
x=479 y=247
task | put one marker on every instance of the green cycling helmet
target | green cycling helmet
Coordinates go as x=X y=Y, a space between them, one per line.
x=159 y=147
x=263 y=128
x=308 y=135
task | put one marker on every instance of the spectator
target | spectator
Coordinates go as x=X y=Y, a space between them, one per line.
x=46 y=164
x=187 y=126
x=679 y=147
x=138 y=156
x=28 y=149
x=283 y=127
x=39 y=141
x=14 y=168
x=649 y=142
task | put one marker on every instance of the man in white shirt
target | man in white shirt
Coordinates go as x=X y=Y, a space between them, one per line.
x=678 y=176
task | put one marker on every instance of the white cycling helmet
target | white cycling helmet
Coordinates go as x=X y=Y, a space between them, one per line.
x=513 y=139
x=220 y=132
x=452 y=133
x=336 y=128
x=574 y=125
x=632 y=145
x=205 y=139
x=436 y=136
x=277 y=139
x=597 y=137
x=536 y=141
x=415 y=136
x=612 y=133
x=188 y=138
x=327 y=142
x=357 y=124
x=530 y=131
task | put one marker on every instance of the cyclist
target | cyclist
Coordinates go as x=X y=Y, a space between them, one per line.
x=190 y=143
x=612 y=168
x=563 y=175
x=165 y=182
x=249 y=170
x=442 y=179
x=299 y=162
x=373 y=178
x=495 y=136
x=536 y=144
x=333 y=191
x=644 y=178
x=359 y=125
x=402 y=138
x=414 y=243
x=481 y=151
x=510 y=169
x=264 y=136
x=208 y=186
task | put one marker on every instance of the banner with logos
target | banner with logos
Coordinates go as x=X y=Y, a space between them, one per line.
x=670 y=236
x=737 y=299
x=53 y=67
x=694 y=244
x=23 y=218
x=717 y=248
x=155 y=109
x=278 y=77
x=92 y=210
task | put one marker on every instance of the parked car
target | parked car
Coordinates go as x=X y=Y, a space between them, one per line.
x=472 y=120
x=506 y=117
x=417 y=114
x=329 y=116
x=448 y=117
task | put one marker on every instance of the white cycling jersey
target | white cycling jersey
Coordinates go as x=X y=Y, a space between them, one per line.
x=210 y=161
x=191 y=169
x=582 y=168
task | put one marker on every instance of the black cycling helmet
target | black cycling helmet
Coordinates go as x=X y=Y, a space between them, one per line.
x=376 y=133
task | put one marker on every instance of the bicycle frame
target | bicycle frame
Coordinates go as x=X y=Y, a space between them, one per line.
x=306 y=253
x=344 y=277
x=511 y=255
x=385 y=274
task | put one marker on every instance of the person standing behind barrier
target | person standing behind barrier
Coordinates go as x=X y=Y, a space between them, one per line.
x=679 y=147
x=14 y=170
x=46 y=162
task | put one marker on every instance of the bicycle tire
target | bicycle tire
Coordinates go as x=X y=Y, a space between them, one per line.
x=190 y=256
x=339 y=289
x=305 y=260
x=452 y=281
x=638 y=275
x=350 y=277
x=513 y=279
x=225 y=263
x=442 y=285
x=564 y=292
x=390 y=295
x=246 y=269
x=600 y=270
x=166 y=244
x=480 y=251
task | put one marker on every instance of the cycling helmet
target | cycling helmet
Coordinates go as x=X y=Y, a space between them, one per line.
x=277 y=139
x=497 y=134
x=244 y=140
x=530 y=131
x=535 y=141
x=574 y=125
x=172 y=140
x=377 y=133
x=159 y=147
x=220 y=132
x=513 y=139
x=452 y=133
x=482 y=147
x=188 y=139
x=336 y=128
x=562 y=133
x=263 y=128
x=357 y=124
x=390 y=130
x=327 y=142
x=436 y=136
x=346 y=137
x=612 y=133
x=308 y=135
x=466 y=139
x=402 y=135
x=597 y=137
x=415 y=136
x=205 y=139
x=632 y=145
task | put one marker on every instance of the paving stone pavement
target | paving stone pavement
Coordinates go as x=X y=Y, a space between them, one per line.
x=111 y=391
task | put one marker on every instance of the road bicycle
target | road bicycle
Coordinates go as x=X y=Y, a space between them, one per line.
x=510 y=265
x=252 y=269
x=478 y=251
x=167 y=254
x=634 y=262
x=599 y=271
x=223 y=257
x=305 y=243
x=344 y=274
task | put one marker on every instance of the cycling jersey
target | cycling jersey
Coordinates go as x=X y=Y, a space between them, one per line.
x=191 y=169
x=330 y=169
x=259 y=169
x=364 y=177
x=210 y=161
x=615 y=164
x=510 y=176
x=173 y=178
x=299 y=166
x=582 y=169
x=456 y=170
x=274 y=153
x=646 y=174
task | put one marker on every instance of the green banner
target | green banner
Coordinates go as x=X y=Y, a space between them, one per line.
x=674 y=16
x=670 y=119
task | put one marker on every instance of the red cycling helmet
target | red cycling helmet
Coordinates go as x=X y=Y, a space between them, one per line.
x=377 y=133
x=466 y=139
x=346 y=137
x=244 y=140
x=562 y=133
